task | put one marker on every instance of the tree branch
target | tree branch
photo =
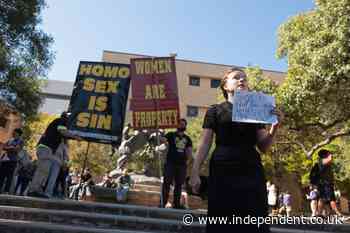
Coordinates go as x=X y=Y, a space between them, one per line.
x=301 y=145
x=324 y=126
x=328 y=140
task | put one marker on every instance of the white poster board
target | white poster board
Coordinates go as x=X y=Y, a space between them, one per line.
x=253 y=107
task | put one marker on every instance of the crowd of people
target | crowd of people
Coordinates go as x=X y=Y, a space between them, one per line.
x=323 y=197
x=48 y=176
x=279 y=202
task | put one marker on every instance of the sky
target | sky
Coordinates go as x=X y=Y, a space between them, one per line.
x=230 y=32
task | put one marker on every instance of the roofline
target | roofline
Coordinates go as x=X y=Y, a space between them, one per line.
x=57 y=80
x=192 y=61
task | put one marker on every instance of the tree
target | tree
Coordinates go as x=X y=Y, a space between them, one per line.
x=25 y=54
x=35 y=129
x=315 y=94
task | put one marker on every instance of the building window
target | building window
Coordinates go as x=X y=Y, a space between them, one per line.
x=215 y=83
x=192 y=111
x=195 y=81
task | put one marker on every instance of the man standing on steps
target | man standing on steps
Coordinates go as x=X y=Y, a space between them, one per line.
x=47 y=146
x=179 y=149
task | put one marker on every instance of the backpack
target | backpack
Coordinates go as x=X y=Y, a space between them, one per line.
x=314 y=176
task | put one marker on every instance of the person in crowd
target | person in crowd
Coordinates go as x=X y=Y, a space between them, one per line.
x=82 y=190
x=25 y=170
x=61 y=185
x=175 y=167
x=59 y=159
x=322 y=175
x=286 y=204
x=279 y=200
x=74 y=177
x=106 y=181
x=124 y=184
x=236 y=177
x=9 y=160
x=47 y=146
x=87 y=182
x=272 y=199
x=337 y=194
x=184 y=200
x=313 y=198
x=62 y=182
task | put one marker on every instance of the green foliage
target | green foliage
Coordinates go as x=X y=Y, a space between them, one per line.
x=146 y=159
x=259 y=82
x=25 y=54
x=35 y=129
x=315 y=93
x=342 y=164
x=194 y=131
x=99 y=158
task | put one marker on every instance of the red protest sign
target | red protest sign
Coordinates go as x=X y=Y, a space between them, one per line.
x=154 y=101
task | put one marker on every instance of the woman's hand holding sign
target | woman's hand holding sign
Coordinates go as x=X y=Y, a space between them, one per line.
x=280 y=117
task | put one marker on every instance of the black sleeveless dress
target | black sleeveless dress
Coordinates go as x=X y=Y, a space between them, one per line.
x=237 y=185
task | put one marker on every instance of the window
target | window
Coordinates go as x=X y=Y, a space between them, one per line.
x=195 y=81
x=215 y=83
x=192 y=111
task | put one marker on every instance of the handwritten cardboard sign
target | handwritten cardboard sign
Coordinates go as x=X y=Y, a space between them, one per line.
x=253 y=107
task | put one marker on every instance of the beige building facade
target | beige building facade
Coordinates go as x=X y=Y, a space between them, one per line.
x=197 y=85
x=197 y=81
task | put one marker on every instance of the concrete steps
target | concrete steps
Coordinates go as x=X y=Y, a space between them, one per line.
x=144 y=187
x=94 y=207
x=145 y=195
x=54 y=215
x=18 y=226
x=95 y=220
x=35 y=215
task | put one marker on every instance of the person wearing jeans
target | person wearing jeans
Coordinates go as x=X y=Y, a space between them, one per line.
x=47 y=146
x=56 y=164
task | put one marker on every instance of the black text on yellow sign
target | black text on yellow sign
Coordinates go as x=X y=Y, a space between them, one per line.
x=96 y=118
x=151 y=119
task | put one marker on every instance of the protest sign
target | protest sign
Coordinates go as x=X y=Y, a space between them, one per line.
x=98 y=102
x=154 y=101
x=253 y=107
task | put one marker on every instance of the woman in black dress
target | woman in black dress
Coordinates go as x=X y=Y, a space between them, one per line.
x=237 y=185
